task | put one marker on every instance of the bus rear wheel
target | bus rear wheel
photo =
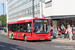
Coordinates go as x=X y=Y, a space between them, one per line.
x=25 y=38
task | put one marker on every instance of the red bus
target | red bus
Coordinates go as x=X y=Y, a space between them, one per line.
x=30 y=29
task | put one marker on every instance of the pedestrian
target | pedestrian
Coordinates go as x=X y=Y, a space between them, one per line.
x=51 y=31
x=65 y=32
x=69 y=29
x=73 y=32
x=54 y=32
x=58 y=31
x=62 y=31
x=62 y=27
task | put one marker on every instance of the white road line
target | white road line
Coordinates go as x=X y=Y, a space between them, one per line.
x=1 y=45
x=13 y=48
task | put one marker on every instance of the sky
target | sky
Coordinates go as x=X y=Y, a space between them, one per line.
x=1 y=7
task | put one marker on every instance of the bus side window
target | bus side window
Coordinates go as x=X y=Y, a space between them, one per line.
x=21 y=27
x=13 y=28
x=9 y=27
x=25 y=27
x=18 y=27
x=29 y=28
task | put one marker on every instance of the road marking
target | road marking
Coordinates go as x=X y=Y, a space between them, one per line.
x=13 y=48
x=2 y=45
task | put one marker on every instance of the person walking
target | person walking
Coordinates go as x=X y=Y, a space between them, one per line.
x=62 y=31
x=73 y=29
x=69 y=29
x=58 y=31
x=62 y=27
x=54 y=32
x=65 y=32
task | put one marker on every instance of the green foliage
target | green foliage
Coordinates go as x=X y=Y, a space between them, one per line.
x=3 y=20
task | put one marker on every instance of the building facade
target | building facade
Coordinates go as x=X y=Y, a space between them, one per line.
x=22 y=9
x=60 y=12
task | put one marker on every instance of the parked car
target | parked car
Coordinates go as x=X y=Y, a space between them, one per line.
x=1 y=28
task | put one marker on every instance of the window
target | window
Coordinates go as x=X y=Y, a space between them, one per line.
x=22 y=27
x=10 y=27
x=26 y=12
x=40 y=26
x=18 y=4
x=30 y=10
x=29 y=27
x=23 y=12
x=9 y=1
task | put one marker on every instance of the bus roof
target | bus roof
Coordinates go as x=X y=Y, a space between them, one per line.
x=22 y=21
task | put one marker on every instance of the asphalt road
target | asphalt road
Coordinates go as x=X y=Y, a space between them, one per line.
x=8 y=44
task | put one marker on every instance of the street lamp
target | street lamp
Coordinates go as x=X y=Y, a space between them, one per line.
x=3 y=13
x=33 y=7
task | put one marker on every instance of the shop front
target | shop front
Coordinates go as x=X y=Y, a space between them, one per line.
x=65 y=20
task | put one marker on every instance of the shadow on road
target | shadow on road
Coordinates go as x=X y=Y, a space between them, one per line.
x=7 y=46
x=34 y=40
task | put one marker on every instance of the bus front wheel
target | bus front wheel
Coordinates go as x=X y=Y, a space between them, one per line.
x=25 y=38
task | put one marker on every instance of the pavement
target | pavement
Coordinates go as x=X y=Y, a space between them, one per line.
x=64 y=41
x=2 y=32
x=8 y=44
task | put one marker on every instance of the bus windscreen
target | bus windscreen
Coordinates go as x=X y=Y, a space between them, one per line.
x=41 y=26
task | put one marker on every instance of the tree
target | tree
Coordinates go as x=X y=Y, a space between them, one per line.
x=3 y=20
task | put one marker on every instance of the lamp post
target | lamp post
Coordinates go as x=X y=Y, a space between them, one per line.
x=3 y=14
x=33 y=7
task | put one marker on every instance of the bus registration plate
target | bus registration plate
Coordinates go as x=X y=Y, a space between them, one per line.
x=42 y=39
